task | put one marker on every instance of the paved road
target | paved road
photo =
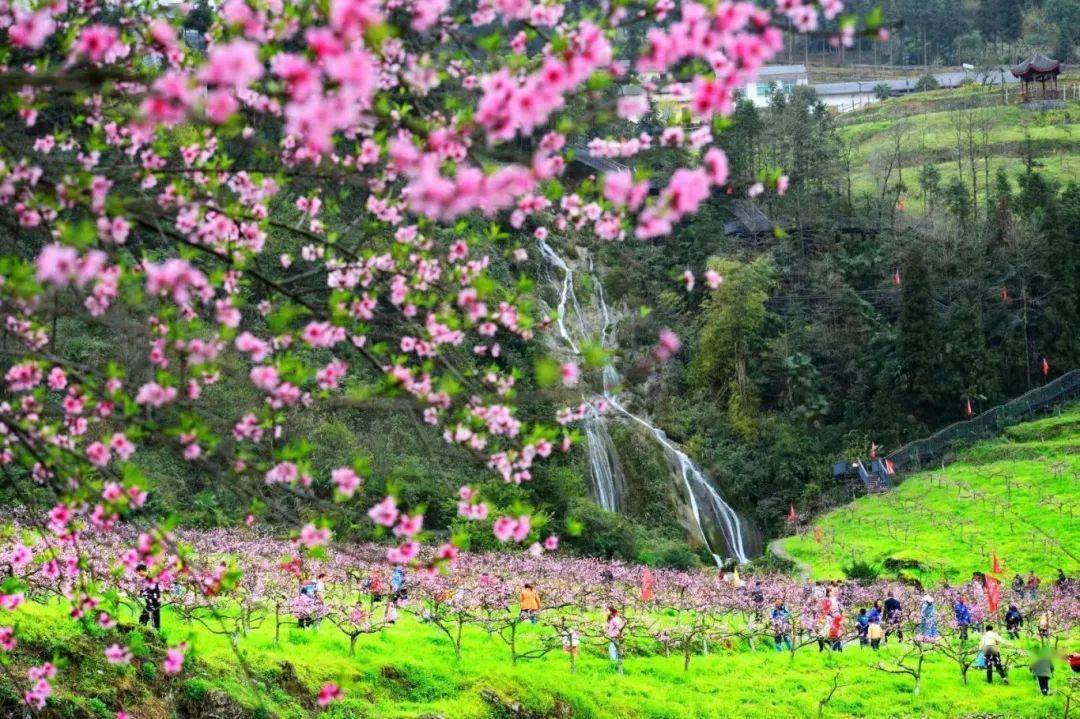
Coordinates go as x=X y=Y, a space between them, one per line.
x=777 y=548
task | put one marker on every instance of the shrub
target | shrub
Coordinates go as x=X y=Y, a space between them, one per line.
x=297 y=636
x=927 y=83
x=149 y=670
x=98 y=709
x=862 y=571
x=196 y=690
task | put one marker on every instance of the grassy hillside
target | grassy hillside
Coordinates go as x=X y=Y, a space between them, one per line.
x=926 y=123
x=1018 y=495
x=410 y=671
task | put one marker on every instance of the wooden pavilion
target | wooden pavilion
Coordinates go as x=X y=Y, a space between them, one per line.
x=1038 y=69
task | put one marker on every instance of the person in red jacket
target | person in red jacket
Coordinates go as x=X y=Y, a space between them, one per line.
x=836 y=632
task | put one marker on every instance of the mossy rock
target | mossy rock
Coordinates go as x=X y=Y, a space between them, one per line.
x=505 y=708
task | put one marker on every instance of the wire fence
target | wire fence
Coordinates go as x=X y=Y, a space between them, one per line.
x=921 y=452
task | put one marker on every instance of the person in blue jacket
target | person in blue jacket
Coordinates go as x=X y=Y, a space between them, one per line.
x=862 y=626
x=781 y=622
x=963 y=617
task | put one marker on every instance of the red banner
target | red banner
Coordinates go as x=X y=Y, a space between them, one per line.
x=646 y=585
x=993 y=593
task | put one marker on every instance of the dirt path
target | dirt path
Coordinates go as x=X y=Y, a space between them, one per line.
x=777 y=548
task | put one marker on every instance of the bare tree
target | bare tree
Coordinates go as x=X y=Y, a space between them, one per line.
x=834 y=687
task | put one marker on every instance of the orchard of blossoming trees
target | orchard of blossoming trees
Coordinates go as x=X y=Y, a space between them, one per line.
x=664 y=611
x=310 y=197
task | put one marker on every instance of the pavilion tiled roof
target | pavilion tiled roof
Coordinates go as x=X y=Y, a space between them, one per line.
x=1036 y=63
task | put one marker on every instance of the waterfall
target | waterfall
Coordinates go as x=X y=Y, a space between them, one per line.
x=608 y=481
x=711 y=515
x=719 y=525
x=607 y=476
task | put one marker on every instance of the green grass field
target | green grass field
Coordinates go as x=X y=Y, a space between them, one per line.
x=1018 y=495
x=926 y=123
x=410 y=671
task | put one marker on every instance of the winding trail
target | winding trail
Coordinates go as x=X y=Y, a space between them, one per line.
x=777 y=548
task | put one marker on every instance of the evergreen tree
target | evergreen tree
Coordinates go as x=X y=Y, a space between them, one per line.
x=732 y=340
x=920 y=338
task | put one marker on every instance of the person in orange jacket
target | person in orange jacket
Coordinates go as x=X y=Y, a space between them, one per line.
x=529 y=601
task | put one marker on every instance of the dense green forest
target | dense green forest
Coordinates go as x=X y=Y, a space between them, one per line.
x=979 y=32
x=852 y=321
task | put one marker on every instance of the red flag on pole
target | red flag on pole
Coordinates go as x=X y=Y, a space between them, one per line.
x=646 y=585
x=791 y=515
x=1045 y=368
x=995 y=567
x=967 y=408
x=993 y=593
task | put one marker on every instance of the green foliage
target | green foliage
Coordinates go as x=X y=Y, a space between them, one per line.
x=731 y=335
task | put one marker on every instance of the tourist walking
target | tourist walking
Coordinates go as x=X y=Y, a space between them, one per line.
x=1043 y=624
x=1042 y=669
x=1013 y=621
x=613 y=629
x=781 y=623
x=309 y=590
x=529 y=603
x=893 y=618
x=397 y=583
x=875 y=634
x=990 y=645
x=963 y=617
x=862 y=627
x=1033 y=583
x=375 y=587
x=836 y=632
x=150 y=593
x=928 y=630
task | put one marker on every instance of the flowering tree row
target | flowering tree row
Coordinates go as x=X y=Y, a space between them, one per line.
x=231 y=582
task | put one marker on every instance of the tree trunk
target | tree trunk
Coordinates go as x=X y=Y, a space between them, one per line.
x=513 y=644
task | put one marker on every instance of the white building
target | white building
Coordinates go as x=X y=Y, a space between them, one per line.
x=773 y=77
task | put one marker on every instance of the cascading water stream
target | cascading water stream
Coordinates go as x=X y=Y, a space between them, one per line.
x=608 y=480
x=716 y=521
